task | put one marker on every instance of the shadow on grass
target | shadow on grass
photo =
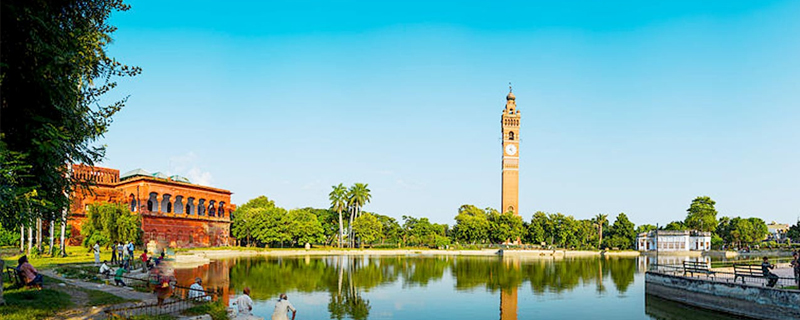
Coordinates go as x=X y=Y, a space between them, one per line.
x=28 y=304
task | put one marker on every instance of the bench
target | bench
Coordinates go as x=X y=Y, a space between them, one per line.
x=693 y=267
x=15 y=276
x=747 y=270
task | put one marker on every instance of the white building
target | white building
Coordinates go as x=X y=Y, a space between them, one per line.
x=777 y=231
x=674 y=241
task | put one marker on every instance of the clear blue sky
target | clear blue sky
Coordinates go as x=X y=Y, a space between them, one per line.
x=634 y=107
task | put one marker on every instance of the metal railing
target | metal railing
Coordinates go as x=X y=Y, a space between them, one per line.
x=177 y=301
x=723 y=276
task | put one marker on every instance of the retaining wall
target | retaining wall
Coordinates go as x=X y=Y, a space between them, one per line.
x=738 y=299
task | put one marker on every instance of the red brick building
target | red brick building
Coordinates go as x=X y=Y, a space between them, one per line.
x=174 y=211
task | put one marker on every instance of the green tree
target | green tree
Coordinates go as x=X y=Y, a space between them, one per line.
x=271 y=225
x=107 y=223
x=794 y=232
x=392 y=232
x=676 y=226
x=645 y=228
x=701 y=215
x=367 y=228
x=472 y=225
x=338 y=198
x=357 y=196
x=504 y=227
x=536 y=229
x=245 y=217
x=304 y=227
x=600 y=221
x=55 y=72
x=622 y=233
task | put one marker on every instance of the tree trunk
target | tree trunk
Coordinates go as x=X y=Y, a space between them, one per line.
x=350 y=233
x=30 y=239
x=52 y=235
x=63 y=248
x=341 y=230
x=39 y=235
x=21 y=238
x=600 y=243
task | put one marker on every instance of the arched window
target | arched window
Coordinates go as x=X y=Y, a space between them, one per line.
x=511 y=135
x=133 y=203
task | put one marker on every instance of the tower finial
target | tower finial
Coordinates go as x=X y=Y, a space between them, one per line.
x=509 y=87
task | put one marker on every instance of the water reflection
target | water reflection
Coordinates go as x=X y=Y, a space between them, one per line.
x=353 y=284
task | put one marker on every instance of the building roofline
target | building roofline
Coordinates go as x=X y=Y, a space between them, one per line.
x=164 y=181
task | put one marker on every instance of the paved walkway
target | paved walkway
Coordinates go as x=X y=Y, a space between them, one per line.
x=122 y=292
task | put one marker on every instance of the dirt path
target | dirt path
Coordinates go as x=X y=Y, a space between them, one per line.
x=80 y=299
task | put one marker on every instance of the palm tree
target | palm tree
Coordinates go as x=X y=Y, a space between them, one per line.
x=600 y=220
x=338 y=197
x=357 y=196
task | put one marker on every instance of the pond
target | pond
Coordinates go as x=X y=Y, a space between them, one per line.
x=443 y=287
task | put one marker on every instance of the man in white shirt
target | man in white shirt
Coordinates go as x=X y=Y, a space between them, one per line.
x=197 y=292
x=104 y=269
x=282 y=309
x=96 y=253
x=244 y=303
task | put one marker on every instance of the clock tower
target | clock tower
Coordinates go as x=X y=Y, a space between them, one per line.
x=510 y=128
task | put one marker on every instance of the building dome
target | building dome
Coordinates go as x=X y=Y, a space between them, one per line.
x=511 y=96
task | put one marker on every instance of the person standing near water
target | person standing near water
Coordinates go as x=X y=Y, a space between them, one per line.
x=282 y=309
x=96 y=249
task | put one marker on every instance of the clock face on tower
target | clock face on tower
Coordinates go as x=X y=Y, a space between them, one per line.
x=511 y=149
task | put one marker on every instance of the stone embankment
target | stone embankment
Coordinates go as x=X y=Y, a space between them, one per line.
x=194 y=258
x=753 y=301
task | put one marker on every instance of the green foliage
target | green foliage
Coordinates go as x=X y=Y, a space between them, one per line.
x=536 y=229
x=504 y=227
x=622 y=234
x=392 y=231
x=338 y=198
x=261 y=222
x=472 y=225
x=421 y=232
x=742 y=231
x=304 y=227
x=645 y=228
x=217 y=310
x=367 y=228
x=107 y=223
x=701 y=215
x=676 y=226
x=9 y=237
x=794 y=232
x=55 y=73
x=17 y=201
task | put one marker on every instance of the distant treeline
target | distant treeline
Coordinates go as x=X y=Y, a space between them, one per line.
x=261 y=223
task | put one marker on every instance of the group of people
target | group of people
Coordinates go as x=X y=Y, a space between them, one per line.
x=244 y=305
x=121 y=252
x=773 y=278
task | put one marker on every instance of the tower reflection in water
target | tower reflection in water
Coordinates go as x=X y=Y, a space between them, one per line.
x=345 y=279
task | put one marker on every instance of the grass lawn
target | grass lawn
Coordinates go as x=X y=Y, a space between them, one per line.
x=101 y=298
x=28 y=304
x=216 y=310
x=74 y=255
